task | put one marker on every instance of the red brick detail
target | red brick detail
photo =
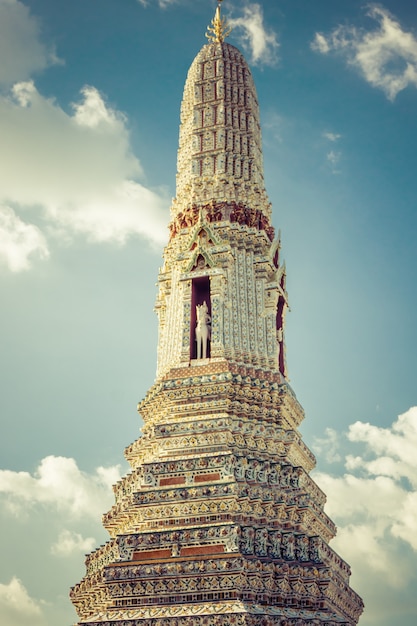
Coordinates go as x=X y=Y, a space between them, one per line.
x=194 y=550
x=151 y=554
x=202 y=478
x=174 y=480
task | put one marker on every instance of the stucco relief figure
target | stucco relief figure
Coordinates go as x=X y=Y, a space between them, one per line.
x=240 y=468
x=261 y=472
x=250 y=472
x=273 y=476
x=295 y=477
x=274 y=547
x=202 y=330
x=288 y=547
x=302 y=548
x=231 y=543
x=315 y=550
x=246 y=540
x=261 y=541
x=149 y=479
x=286 y=476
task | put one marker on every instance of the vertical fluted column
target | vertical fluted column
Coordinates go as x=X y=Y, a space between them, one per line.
x=217 y=291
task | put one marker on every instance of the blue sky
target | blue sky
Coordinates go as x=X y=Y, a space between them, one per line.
x=89 y=111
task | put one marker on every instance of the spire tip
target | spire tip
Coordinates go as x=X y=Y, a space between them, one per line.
x=219 y=28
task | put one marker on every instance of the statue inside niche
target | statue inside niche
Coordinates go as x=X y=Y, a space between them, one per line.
x=201 y=263
x=202 y=330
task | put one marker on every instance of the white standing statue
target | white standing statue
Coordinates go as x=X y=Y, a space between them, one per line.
x=202 y=330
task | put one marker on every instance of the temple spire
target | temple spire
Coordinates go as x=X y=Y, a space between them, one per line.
x=219 y=522
x=219 y=29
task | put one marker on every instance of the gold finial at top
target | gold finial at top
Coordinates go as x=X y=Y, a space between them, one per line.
x=219 y=29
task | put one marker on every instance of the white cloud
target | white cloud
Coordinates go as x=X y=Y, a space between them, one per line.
x=21 y=51
x=61 y=485
x=386 y=57
x=258 y=41
x=375 y=508
x=77 y=171
x=327 y=447
x=70 y=542
x=92 y=112
x=395 y=459
x=19 y=242
x=331 y=136
x=394 y=448
x=320 y=44
x=63 y=174
x=17 y=608
x=50 y=514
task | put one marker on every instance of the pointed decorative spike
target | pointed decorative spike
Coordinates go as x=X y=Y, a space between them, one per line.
x=219 y=29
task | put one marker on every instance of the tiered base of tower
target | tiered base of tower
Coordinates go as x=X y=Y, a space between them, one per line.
x=219 y=522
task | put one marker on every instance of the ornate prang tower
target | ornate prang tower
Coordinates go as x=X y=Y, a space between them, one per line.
x=219 y=523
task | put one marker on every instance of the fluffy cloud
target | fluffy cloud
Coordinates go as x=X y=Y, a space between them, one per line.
x=70 y=542
x=395 y=461
x=63 y=174
x=375 y=507
x=386 y=57
x=17 y=608
x=61 y=485
x=53 y=517
x=76 y=170
x=19 y=242
x=259 y=42
x=398 y=444
x=21 y=51
x=321 y=44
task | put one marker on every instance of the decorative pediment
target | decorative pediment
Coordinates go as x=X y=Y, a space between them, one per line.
x=203 y=232
x=200 y=260
x=201 y=241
